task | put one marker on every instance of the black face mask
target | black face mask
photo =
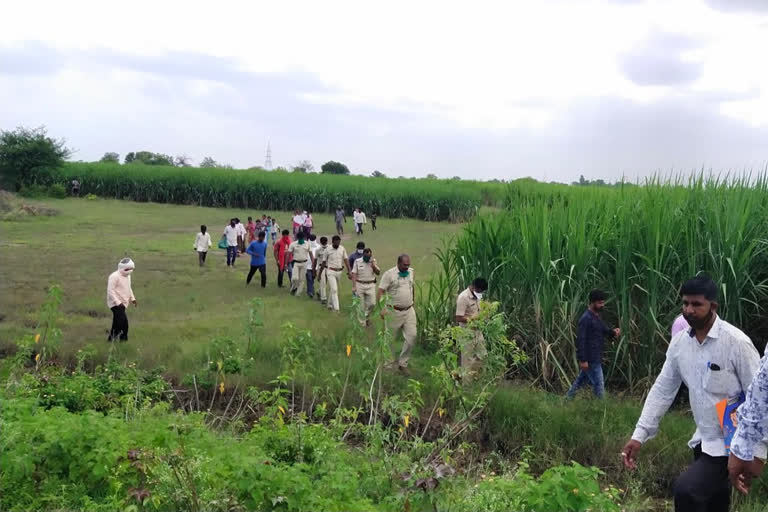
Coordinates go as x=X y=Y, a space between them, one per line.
x=699 y=324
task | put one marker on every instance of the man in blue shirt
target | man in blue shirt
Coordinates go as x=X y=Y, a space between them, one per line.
x=258 y=251
x=589 y=345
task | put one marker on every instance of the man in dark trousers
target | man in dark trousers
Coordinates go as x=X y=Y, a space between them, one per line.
x=589 y=345
x=258 y=251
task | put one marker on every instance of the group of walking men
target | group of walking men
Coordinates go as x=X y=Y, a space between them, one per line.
x=358 y=217
x=719 y=364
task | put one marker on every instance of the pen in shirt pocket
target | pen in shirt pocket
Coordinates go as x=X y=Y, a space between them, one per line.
x=712 y=366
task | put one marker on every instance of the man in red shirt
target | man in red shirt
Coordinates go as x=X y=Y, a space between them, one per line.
x=281 y=246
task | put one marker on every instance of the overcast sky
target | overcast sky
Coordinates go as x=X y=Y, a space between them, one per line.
x=544 y=88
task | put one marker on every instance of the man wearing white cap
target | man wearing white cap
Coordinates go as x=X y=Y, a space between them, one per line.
x=119 y=295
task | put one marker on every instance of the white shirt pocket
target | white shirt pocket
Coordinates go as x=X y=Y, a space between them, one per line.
x=721 y=382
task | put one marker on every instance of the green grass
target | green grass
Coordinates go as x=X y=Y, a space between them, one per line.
x=181 y=306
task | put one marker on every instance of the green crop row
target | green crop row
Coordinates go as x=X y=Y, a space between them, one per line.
x=553 y=244
x=427 y=199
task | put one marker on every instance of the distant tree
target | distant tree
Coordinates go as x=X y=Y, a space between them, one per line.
x=25 y=152
x=209 y=162
x=401 y=177
x=456 y=178
x=148 y=158
x=256 y=168
x=110 y=157
x=431 y=176
x=182 y=161
x=378 y=174
x=332 y=167
x=225 y=166
x=304 y=166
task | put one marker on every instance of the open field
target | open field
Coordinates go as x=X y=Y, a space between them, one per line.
x=181 y=306
x=184 y=312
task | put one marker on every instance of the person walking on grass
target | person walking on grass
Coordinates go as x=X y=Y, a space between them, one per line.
x=282 y=257
x=231 y=234
x=202 y=244
x=320 y=275
x=335 y=261
x=398 y=284
x=302 y=259
x=309 y=223
x=275 y=230
x=589 y=345
x=298 y=222
x=341 y=219
x=744 y=463
x=354 y=257
x=359 y=218
x=364 y=272
x=119 y=296
x=467 y=307
x=717 y=362
x=313 y=248
x=373 y=221
x=258 y=251
x=241 y=235
x=251 y=229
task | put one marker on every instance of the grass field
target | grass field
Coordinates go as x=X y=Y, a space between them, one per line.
x=181 y=306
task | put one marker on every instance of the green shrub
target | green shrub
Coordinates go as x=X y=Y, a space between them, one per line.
x=33 y=191
x=57 y=190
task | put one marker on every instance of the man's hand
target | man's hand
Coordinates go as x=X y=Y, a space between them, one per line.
x=617 y=332
x=584 y=365
x=629 y=453
x=135 y=304
x=742 y=472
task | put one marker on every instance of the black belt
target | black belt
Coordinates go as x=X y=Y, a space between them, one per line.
x=334 y=269
x=367 y=282
x=398 y=308
x=299 y=261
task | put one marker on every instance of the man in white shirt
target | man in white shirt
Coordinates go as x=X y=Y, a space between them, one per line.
x=359 y=218
x=313 y=247
x=716 y=361
x=202 y=244
x=230 y=233
x=119 y=296
x=241 y=232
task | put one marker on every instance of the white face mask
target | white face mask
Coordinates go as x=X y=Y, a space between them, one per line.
x=360 y=251
x=479 y=295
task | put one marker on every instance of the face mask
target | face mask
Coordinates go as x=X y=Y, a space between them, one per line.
x=366 y=259
x=479 y=295
x=301 y=242
x=403 y=274
x=126 y=271
x=359 y=251
x=335 y=246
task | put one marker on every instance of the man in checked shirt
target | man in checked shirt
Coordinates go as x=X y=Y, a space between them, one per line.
x=716 y=361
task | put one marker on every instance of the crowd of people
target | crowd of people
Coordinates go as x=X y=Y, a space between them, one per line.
x=717 y=362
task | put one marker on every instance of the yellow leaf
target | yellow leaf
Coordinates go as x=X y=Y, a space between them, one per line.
x=37 y=338
x=280 y=407
x=349 y=350
x=219 y=364
x=37 y=358
x=406 y=420
x=575 y=491
x=440 y=412
x=221 y=387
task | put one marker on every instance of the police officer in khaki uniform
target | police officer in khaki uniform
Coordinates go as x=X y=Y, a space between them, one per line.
x=397 y=282
x=335 y=261
x=467 y=307
x=319 y=267
x=364 y=272
x=302 y=256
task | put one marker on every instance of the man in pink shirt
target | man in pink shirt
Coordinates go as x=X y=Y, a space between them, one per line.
x=119 y=295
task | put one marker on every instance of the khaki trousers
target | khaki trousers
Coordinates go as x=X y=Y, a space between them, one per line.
x=299 y=276
x=324 y=285
x=333 y=284
x=404 y=321
x=367 y=294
